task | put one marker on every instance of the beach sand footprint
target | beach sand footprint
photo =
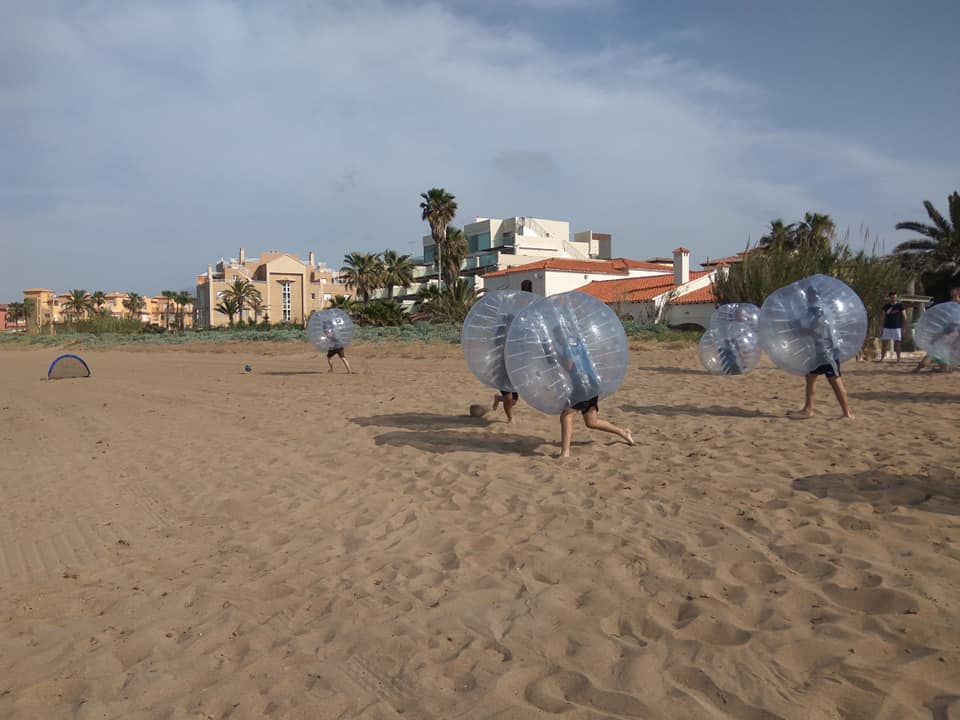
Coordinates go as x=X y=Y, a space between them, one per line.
x=561 y=691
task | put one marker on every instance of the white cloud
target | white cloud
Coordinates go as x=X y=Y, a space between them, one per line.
x=170 y=134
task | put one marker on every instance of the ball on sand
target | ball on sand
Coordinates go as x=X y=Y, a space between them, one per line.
x=478 y=411
x=248 y=368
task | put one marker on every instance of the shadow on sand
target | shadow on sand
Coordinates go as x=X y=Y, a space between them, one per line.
x=295 y=372
x=930 y=398
x=695 y=410
x=421 y=421
x=445 y=441
x=938 y=492
x=674 y=370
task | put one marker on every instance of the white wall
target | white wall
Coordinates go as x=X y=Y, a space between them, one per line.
x=690 y=314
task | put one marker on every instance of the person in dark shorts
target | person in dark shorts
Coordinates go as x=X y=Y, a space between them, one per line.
x=827 y=354
x=335 y=346
x=893 y=315
x=590 y=409
x=508 y=398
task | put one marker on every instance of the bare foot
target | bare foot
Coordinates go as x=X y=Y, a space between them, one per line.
x=564 y=454
x=846 y=417
x=800 y=414
x=629 y=438
x=330 y=370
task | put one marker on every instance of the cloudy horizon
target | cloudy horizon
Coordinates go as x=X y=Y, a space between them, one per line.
x=145 y=140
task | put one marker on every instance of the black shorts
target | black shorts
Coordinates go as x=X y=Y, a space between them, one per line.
x=586 y=406
x=516 y=395
x=334 y=351
x=827 y=369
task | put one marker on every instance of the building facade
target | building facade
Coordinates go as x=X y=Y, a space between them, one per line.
x=290 y=289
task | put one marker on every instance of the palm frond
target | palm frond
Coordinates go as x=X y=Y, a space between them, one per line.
x=938 y=220
x=921 y=228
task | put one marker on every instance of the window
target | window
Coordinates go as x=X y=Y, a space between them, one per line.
x=430 y=254
x=476 y=243
x=286 y=301
x=313 y=296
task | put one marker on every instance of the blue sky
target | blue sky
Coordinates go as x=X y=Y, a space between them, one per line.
x=143 y=140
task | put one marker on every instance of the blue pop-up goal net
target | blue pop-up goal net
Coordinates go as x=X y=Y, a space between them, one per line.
x=68 y=366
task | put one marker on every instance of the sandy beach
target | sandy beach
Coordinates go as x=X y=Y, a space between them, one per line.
x=182 y=539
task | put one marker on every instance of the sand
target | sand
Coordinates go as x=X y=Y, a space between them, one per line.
x=181 y=539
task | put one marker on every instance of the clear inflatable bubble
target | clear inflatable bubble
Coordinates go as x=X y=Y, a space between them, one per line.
x=485 y=334
x=736 y=312
x=330 y=329
x=812 y=322
x=938 y=332
x=732 y=348
x=566 y=349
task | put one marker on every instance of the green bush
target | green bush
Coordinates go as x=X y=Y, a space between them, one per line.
x=102 y=326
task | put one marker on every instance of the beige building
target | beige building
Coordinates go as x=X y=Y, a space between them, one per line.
x=157 y=310
x=290 y=288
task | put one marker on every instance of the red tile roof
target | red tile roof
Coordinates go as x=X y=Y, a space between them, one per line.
x=635 y=289
x=617 y=266
x=703 y=295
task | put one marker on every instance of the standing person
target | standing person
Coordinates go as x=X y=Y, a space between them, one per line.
x=928 y=359
x=827 y=355
x=893 y=315
x=335 y=346
x=574 y=360
x=508 y=399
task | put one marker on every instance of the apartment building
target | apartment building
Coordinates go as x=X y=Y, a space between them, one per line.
x=52 y=308
x=290 y=288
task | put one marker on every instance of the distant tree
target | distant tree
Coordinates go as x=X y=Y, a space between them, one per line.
x=98 y=301
x=935 y=257
x=256 y=305
x=454 y=251
x=438 y=208
x=449 y=304
x=363 y=272
x=397 y=271
x=342 y=302
x=17 y=311
x=78 y=304
x=183 y=298
x=228 y=306
x=170 y=307
x=242 y=292
x=134 y=304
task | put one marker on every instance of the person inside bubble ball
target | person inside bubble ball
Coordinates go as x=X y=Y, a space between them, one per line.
x=573 y=358
x=334 y=345
x=730 y=358
x=508 y=398
x=931 y=360
x=817 y=325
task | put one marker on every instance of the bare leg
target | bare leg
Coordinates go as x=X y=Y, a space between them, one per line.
x=883 y=350
x=841 y=392
x=807 y=411
x=924 y=363
x=497 y=399
x=566 y=431
x=508 y=403
x=591 y=418
x=330 y=363
x=346 y=364
x=896 y=349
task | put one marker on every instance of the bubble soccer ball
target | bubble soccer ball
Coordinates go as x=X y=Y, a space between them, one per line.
x=566 y=349
x=938 y=332
x=735 y=312
x=484 y=335
x=732 y=348
x=330 y=329
x=812 y=322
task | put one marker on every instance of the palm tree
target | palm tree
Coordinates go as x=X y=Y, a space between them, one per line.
x=183 y=298
x=451 y=304
x=439 y=208
x=77 y=304
x=242 y=292
x=816 y=229
x=779 y=234
x=97 y=301
x=257 y=306
x=937 y=253
x=171 y=304
x=397 y=270
x=342 y=302
x=228 y=306
x=362 y=271
x=17 y=311
x=134 y=304
x=454 y=251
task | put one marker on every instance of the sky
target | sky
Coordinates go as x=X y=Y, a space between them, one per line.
x=142 y=140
